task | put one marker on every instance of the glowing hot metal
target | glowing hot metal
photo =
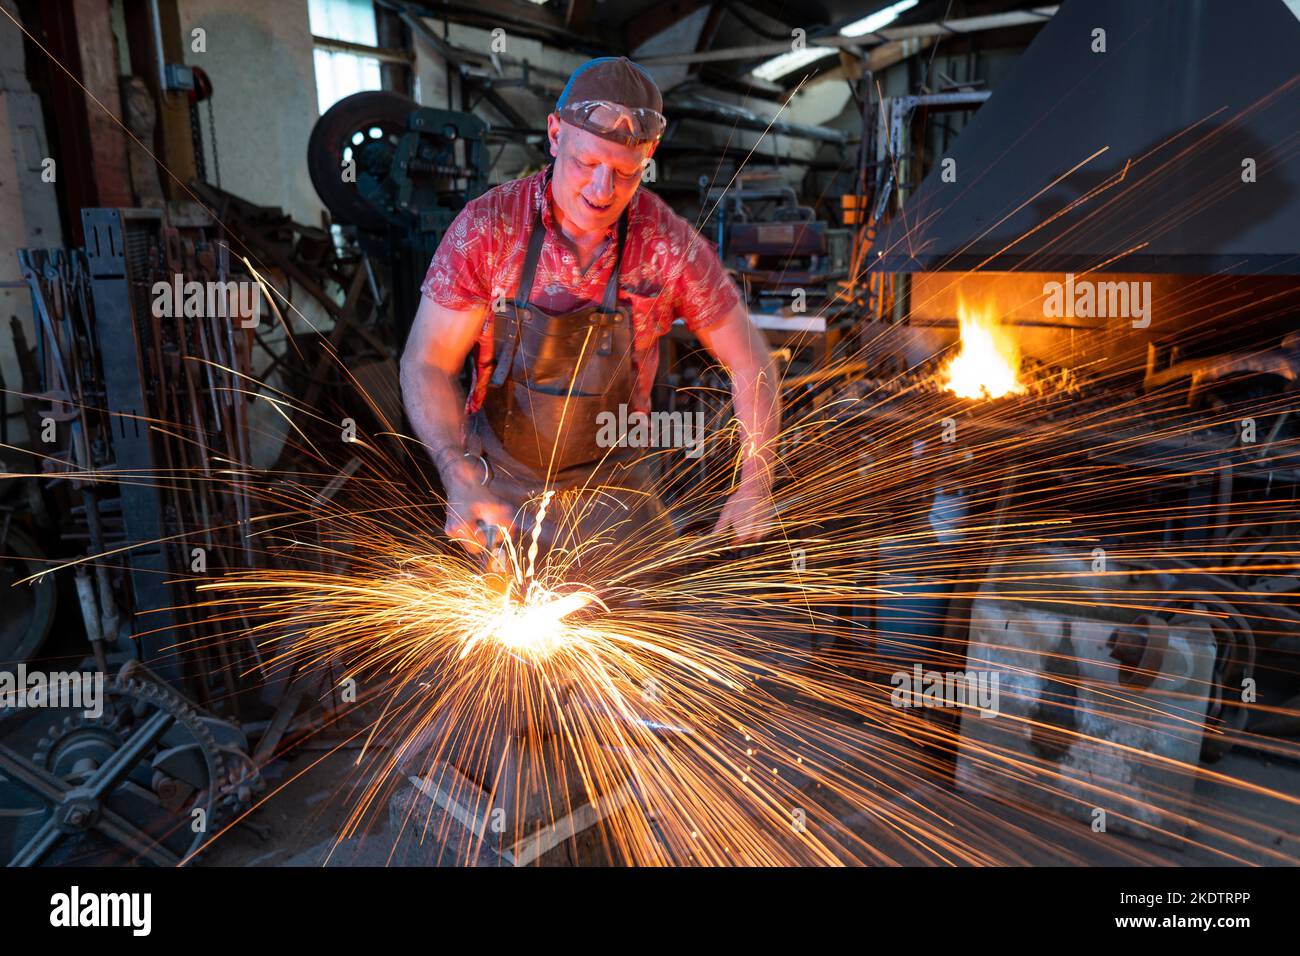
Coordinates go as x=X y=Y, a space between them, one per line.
x=535 y=628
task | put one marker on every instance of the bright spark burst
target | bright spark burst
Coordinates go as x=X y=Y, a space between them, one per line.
x=536 y=628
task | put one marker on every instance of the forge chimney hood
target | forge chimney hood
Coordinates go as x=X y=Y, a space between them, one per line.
x=1189 y=99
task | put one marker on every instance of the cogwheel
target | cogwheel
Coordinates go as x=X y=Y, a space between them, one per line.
x=75 y=730
x=164 y=698
x=134 y=702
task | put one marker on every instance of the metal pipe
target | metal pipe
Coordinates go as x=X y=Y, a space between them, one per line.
x=728 y=115
x=158 y=46
x=90 y=614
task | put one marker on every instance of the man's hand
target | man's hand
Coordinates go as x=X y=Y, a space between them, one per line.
x=750 y=511
x=470 y=502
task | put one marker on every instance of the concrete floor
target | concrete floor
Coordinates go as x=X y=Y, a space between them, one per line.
x=300 y=823
x=311 y=794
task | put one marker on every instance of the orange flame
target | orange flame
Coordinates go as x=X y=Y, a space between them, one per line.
x=988 y=365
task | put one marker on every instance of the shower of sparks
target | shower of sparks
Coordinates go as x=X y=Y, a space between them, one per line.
x=742 y=698
x=735 y=694
x=731 y=706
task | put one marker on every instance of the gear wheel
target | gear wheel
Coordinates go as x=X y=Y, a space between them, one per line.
x=75 y=738
x=150 y=754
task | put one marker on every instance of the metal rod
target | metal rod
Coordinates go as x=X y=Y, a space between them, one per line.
x=158 y=46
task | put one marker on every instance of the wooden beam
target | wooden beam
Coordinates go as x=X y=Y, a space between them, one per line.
x=383 y=54
x=173 y=137
x=709 y=32
x=174 y=110
x=397 y=63
x=579 y=14
x=881 y=58
x=107 y=141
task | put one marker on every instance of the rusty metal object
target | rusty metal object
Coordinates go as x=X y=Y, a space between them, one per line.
x=1282 y=362
x=83 y=773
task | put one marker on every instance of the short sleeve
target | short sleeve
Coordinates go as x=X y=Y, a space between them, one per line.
x=459 y=274
x=704 y=294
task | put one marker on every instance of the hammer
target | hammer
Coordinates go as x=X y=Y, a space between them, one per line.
x=493 y=560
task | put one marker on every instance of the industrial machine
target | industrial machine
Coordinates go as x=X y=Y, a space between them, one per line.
x=170 y=755
x=394 y=175
x=776 y=246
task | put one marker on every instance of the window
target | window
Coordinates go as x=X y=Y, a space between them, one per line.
x=338 y=27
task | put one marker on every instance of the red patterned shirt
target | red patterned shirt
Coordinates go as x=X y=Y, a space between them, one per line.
x=667 y=271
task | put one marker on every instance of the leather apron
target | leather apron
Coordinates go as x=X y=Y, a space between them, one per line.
x=554 y=374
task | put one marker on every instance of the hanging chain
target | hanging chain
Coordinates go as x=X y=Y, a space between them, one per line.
x=196 y=137
x=212 y=134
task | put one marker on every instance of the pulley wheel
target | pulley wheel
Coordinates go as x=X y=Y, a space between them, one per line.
x=29 y=608
x=341 y=134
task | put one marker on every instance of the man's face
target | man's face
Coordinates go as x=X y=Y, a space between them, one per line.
x=594 y=178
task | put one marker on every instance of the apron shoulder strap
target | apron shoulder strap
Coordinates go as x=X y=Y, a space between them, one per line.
x=504 y=359
x=610 y=301
x=536 y=236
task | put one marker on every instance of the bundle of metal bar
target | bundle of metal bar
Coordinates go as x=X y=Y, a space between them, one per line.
x=146 y=409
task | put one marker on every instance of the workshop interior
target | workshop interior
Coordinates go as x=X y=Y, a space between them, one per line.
x=1027 y=281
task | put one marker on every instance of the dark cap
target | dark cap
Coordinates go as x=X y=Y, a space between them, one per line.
x=613 y=78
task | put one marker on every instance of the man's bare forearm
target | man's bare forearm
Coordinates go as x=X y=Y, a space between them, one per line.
x=440 y=341
x=436 y=407
x=755 y=392
x=758 y=407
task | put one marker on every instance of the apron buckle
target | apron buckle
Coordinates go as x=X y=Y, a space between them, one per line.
x=605 y=322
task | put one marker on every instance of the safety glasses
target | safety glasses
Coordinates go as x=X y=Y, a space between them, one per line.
x=631 y=126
